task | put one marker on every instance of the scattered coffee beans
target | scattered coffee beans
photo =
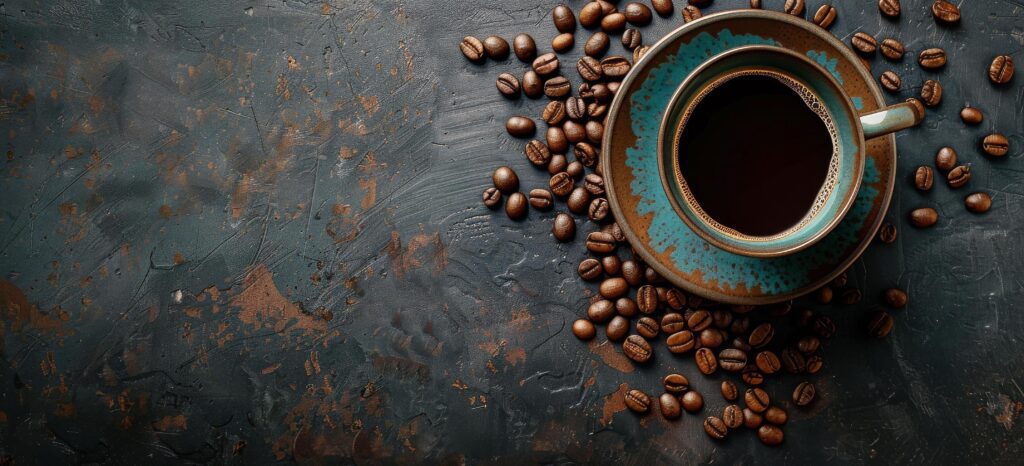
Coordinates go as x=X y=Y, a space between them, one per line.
x=803 y=394
x=515 y=206
x=971 y=116
x=895 y=298
x=887 y=233
x=533 y=85
x=776 y=415
x=879 y=324
x=729 y=391
x=978 y=202
x=931 y=93
x=945 y=12
x=923 y=178
x=770 y=435
x=670 y=407
x=794 y=7
x=637 y=349
x=890 y=81
x=995 y=144
x=589 y=269
x=864 y=43
x=472 y=49
x=564 y=227
x=825 y=16
x=691 y=13
x=520 y=126
x=732 y=360
x=525 y=48
x=959 y=176
x=638 y=401
x=496 y=48
x=707 y=364
x=637 y=13
x=564 y=19
x=892 y=49
x=599 y=242
x=676 y=383
x=613 y=22
x=945 y=158
x=583 y=329
x=617 y=329
x=541 y=199
x=890 y=8
x=757 y=400
x=1001 y=69
x=715 y=428
x=563 y=42
x=647 y=327
x=732 y=416
x=751 y=420
x=692 y=401
x=505 y=179
x=597 y=45
x=546 y=64
x=590 y=15
x=932 y=59
x=508 y=85
x=631 y=38
x=663 y=7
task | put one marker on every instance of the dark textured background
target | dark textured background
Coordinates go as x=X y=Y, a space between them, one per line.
x=248 y=232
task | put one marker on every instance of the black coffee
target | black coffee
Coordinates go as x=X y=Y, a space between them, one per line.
x=754 y=155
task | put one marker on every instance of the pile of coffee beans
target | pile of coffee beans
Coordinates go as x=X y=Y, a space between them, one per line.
x=634 y=305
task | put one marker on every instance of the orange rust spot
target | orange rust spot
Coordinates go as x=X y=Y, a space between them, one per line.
x=408 y=258
x=261 y=305
x=370 y=104
x=612 y=358
x=174 y=423
x=614 y=403
x=515 y=356
x=65 y=410
x=369 y=188
x=178 y=258
x=19 y=314
x=271 y=369
x=166 y=211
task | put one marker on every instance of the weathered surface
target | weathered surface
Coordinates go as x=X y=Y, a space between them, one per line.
x=248 y=232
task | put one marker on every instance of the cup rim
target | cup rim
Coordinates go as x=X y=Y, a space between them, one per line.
x=845 y=203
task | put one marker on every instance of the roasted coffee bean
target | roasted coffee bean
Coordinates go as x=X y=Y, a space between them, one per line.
x=864 y=43
x=597 y=45
x=634 y=274
x=496 y=48
x=707 y=363
x=594 y=184
x=574 y=132
x=767 y=362
x=617 y=329
x=945 y=159
x=599 y=242
x=715 y=428
x=776 y=415
x=590 y=70
x=589 y=269
x=615 y=66
x=613 y=22
x=808 y=344
x=586 y=153
x=890 y=8
x=631 y=38
x=1001 y=69
x=472 y=49
x=596 y=110
x=508 y=85
x=879 y=324
x=516 y=206
x=931 y=93
x=616 y=232
x=978 y=202
x=556 y=140
x=995 y=145
x=492 y=198
x=691 y=13
x=959 y=176
x=945 y=12
x=533 y=85
x=637 y=349
x=924 y=217
x=670 y=407
x=611 y=265
x=729 y=390
x=557 y=164
x=583 y=329
x=672 y=323
x=637 y=13
x=887 y=233
x=625 y=307
x=824 y=327
x=740 y=325
x=561 y=184
x=524 y=47
x=546 y=64
x=663 y=7
x=692 y=401
x=520 y=126
x=564 y=19
x=757 y=399
x=602 y=93
x=564 y=227
x=638 y=401
x=639 y=53
x=770 y=435
x=761 y=335
x=755 y=4
x=751 y=376
x=751 y=420
x=803 y=394
x=563 y=43
x=814 y=364
x=825 y=16
x=792 y=360
x=732 y=360
x=538 y=154
x=676 y=383
x=850 y=296
x=575 y=108
x=674 y=299
x=711 y=338
x=557 y=87
x=613 y=287
x=895 y=298
x=505 y=179
x=892 y=49
x=721 y=318
x=591 y=14
x=681 y=342
x=794 y=7
x=699 y=320
x=932 y=59
x=598 y=210
x=647 y=327
x=890 y=81
x=601 y=311
x=732 y=416
x=541 y=199
x=971 y=115
x=646 y=296
x=805 y=318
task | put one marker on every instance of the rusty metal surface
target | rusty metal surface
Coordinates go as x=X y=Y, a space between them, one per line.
x=250 y=232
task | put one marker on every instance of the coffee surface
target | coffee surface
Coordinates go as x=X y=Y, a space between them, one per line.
x=754 y=155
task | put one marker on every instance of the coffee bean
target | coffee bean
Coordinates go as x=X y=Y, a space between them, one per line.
x=589 y=269
x=824 y=295
x=890 y=8
x=794 y=7
x=890 y=81
x=924 y=217
x=563 y=17
x=625 y=307
x=715 y=428
x=825 y=16
x=895 y=298
x=770 y=435
x=887 y=233
x=767 y=362
x=596 y=110
x=574 y=132
x=932 y=59
x=761 y=335
x=803 y=394
x=575 y=108
x=757 y=399
x=676 y=383
x=732 y=416
x=496 y=47
x=751 y=376
x=617 y=328
x=879 y=324
x=971 y=116
x=615 y=67
x=594 y=184
x=578 y=200
x=692 y=401
x=508 y=85
x=637 y=349
x=538 y=154
x=864 y=43
x=515 y=206
x=541 y=199
x=945 y=12
x=634 y=274
x=751 y=420
x=755 y=4
x=596 y=46
x=740 y=325
x=721 y=318
x=599 y=210
x=586 y=153
x=472 y=49
x=611 y=265
x=556 y=140
x=699 y=320
x=931 y=93
x=589 y=69
x=805 y=318
x=732 y=359
x=616 y=232
x=814 y=364
x=591 y=14
x=637 y=13
x=824 y=327
x=995 y=145
x=557 y=87
x=613 y=22
x=614 y=287
x=602 y=93
x=492 y=198
x=1001 y=69
x=892 y=49
x=945 y=158
x=631 y=38
x=601 y=311
x=583 y=329
x=691 y=13
x=563 y=43
x=546 y=64
x=564 y=227
x=533 y=85
x=647 y=327
x=808 y=344
x=923 y=178
x=525 y=48
x=670 y=407
x=638 y=401
x=520 y=126
x=676 y=301
x=918 y=106
x=505 y=179
x=646 y=296
x=711 y=338
x=707 y=363
x=792 y=360
x=561 y=184
x=959 y=176
x=662 y=7
x=681 y=341
x=978 y=202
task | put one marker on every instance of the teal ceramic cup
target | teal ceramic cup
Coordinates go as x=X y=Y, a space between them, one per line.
x=823 y=95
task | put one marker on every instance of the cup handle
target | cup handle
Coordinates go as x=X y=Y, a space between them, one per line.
x=891 y=119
